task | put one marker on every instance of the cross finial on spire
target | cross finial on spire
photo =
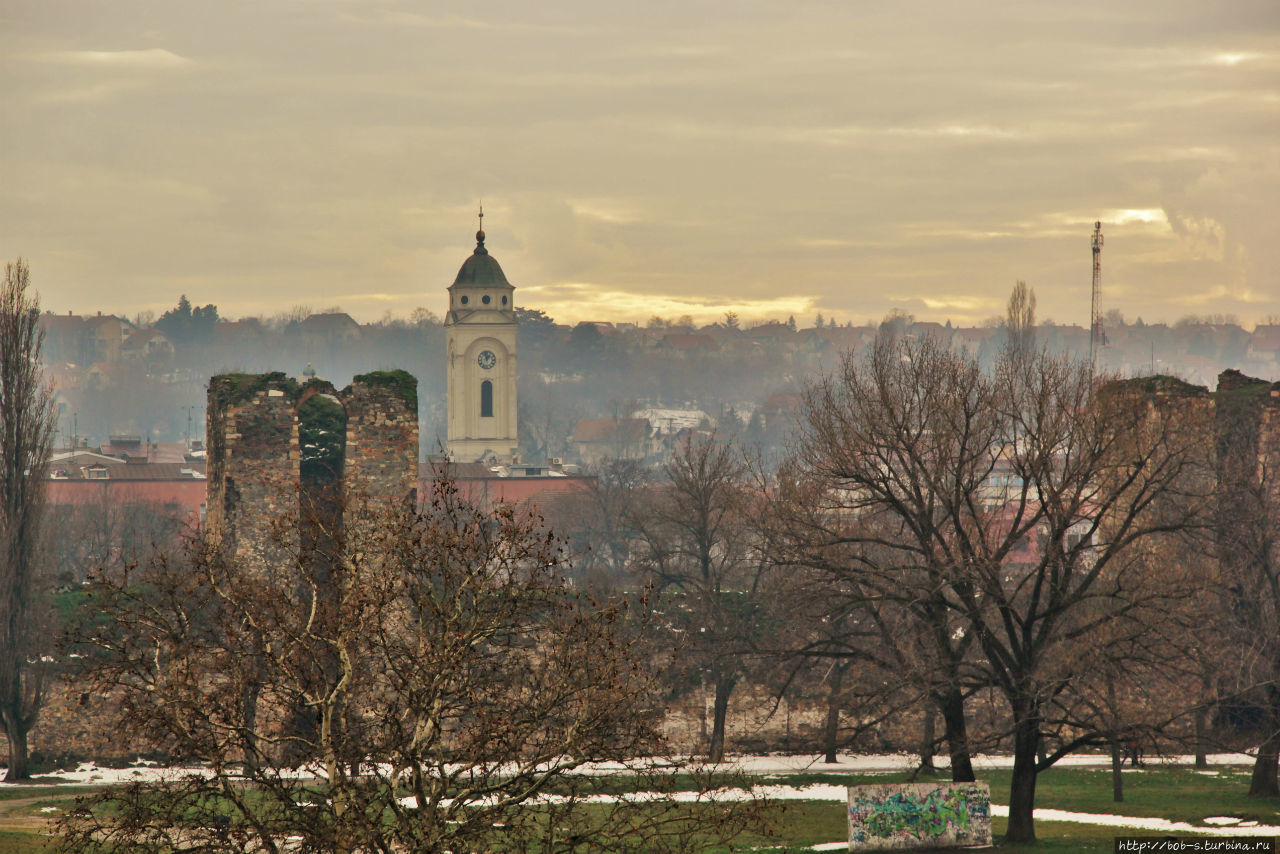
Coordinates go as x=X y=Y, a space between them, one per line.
x=482 y=215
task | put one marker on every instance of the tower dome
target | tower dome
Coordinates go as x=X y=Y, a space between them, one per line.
x=481 y=268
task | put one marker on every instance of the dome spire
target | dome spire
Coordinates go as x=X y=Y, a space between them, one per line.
x=480 y=250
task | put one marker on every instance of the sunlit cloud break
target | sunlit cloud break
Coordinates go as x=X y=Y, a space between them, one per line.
x=573 y=302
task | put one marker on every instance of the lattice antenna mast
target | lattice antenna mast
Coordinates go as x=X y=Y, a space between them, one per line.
x=1097 y=335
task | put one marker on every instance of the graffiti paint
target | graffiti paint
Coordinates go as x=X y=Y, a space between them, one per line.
x=919 y=816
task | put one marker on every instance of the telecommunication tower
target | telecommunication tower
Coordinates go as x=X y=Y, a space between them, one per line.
x=1097 y=335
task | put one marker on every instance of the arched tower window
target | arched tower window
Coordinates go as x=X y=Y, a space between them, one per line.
x=486 y=399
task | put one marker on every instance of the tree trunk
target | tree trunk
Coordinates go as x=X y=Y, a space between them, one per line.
x=926 y=742
x=17 y=737
x=1117 y=777
x=249 y=717
x=1022 y=786
x=1201 y=722
x=724 y=687
x=831 y=732
x=956 y=732
x=1264 y=783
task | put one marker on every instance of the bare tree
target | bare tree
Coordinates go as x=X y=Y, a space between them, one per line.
x=27 y=424
x=695 y=547
x=434 y=682
x=1006 y=515
x=106 y=532
x=1248 y=503
x=899 y=444
x=597 y=520
x=1096 y=478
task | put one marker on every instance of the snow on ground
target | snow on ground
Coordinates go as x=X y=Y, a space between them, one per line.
x=897 y=762
x=1162 y=825
x=780 y=766
x=761 y=765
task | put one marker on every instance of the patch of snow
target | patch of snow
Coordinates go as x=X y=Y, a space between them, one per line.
x=1221 y=819
x=816 y=792
x=1162 y=825
x=49 y=809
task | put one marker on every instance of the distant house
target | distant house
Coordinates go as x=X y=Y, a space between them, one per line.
x=84 y=340
x=146 y=345
x=773 y=333
x=328 y=329
x=233 y=333
x=922 y=329
x=971 y=341
x=83 y=476
x=1264 y=343
x=596 y=439
x=670 y=422
x=689 y=342
x=106 y=335
x=487 y=485
x=604 y=327
x=782 y=409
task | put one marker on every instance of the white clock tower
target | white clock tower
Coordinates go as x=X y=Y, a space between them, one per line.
x=480 y=329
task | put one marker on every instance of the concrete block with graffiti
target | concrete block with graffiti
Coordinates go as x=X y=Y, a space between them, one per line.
x=919 y=816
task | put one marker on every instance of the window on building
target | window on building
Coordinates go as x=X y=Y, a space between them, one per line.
x=486 y=399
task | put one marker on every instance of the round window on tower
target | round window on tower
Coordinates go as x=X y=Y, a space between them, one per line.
x=464 y=300
x=485 y=299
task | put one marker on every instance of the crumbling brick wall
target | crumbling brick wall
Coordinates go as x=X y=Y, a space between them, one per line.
x=254 y=454
x=382 y=436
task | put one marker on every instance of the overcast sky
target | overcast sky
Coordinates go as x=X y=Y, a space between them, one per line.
x=770 y=158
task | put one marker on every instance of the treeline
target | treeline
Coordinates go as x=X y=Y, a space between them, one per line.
x=1013 y=558
x=1039 y=561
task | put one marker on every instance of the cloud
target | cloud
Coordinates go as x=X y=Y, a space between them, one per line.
x=614 y=211
x=1230 y=59
x=100 y=91
x=1219 y=294
x=449 y=22
x=965 y=303
x=1203 y=237
x=156 y=58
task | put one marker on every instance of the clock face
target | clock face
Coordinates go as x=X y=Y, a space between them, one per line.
x=486 y=359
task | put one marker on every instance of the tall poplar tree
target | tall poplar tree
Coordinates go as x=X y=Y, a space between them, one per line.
x=27 y=422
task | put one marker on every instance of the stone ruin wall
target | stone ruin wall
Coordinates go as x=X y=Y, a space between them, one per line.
x=382 y=441
x=254 y=454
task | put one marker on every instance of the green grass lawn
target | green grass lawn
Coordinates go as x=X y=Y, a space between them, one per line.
x=1175 y=793
x=1178 y=794
x=22 y=842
